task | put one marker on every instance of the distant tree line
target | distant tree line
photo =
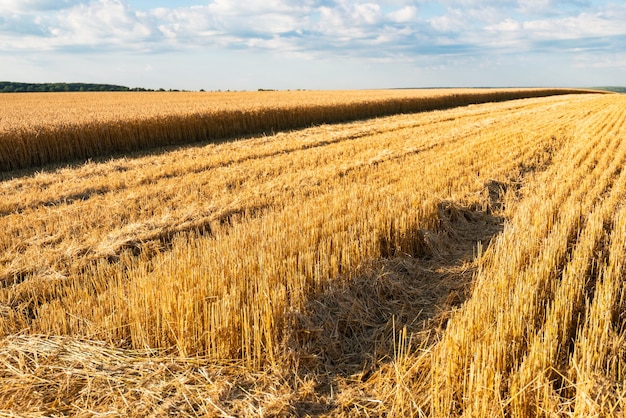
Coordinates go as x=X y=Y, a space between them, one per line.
x=11 y=87
x=613 y=89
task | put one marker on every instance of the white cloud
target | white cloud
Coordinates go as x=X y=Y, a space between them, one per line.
x=534 y=6
x=106 y=22
x=507 y=25
x=574 y=27
x=578 y=32
x=404 y=15
x=454 y=21
x=368 y=13
x=254 y=7
x=30 y=6
x=373 y=31
x=275 y=24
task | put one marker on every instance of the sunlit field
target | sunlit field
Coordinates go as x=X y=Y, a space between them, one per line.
x=465 y=261
x=42 y=128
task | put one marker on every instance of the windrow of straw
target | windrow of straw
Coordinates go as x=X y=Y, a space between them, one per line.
x=102 y=124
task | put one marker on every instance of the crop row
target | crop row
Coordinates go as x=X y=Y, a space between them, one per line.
x=38 y=129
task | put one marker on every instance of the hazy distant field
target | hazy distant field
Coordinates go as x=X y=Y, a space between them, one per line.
x=467 y=261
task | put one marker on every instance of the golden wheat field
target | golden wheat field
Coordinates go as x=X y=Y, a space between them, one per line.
x=467 y=261
x=38 y=129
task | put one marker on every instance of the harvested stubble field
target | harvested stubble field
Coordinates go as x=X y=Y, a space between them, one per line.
x=460 y=262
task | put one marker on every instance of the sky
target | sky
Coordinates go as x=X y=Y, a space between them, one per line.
x=314 y=44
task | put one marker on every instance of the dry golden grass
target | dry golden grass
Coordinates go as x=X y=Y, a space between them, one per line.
x=459 y=262
x=43 y=128
x=538 y=292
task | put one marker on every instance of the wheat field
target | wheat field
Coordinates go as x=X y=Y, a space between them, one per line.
x=457 y=262
x=38 y=129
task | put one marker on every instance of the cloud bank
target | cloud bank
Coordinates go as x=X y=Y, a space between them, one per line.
x=420 y=32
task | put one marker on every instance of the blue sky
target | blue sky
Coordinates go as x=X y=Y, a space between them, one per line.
x=314 y=44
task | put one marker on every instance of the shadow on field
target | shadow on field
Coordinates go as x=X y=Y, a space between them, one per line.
x=349 y=330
